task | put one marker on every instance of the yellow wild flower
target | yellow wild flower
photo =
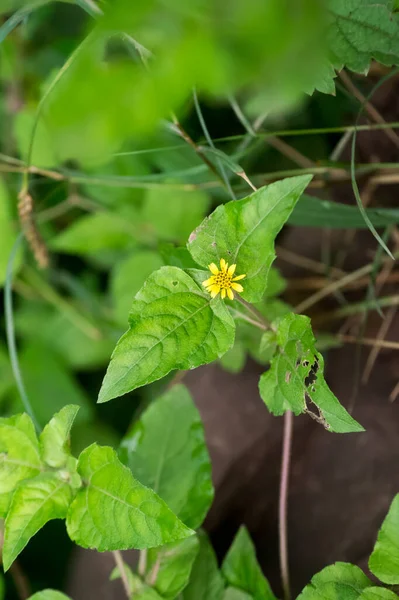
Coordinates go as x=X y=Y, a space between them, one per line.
x=222 y=280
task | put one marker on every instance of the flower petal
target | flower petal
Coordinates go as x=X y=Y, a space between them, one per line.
x=231 y=270
x=213 y=268
x=215 y=289
x=237 y=287
x=223 y=265
x=230 y=294
x=208 y=282
x=223 y=293
x=239 y=277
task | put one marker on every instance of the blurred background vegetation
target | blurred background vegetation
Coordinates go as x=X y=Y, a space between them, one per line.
x=132 y=125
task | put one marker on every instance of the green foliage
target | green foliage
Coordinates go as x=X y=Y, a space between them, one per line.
x=243 y=232
x=312 y=212
x=206 y=582
x=295 y=380
x=8 y=232
x=169 y=455
x=49 y=595
x=173 y=325
x=341 y=580
x=235 y=594
x=128 y=276
x=378 y=593
x=19 y=456
x=362 y=30
x=54 y=439
x=169 y=567
x=34 y=502
x=114 y=511
x=173 y=214
x=384 y=560
x=241 y=569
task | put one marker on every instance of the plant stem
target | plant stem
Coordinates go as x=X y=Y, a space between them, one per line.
x=10 y=331
x=283 y=503
x=142 y=566
x=122 y=571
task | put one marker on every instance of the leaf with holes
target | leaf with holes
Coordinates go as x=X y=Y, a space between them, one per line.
x=243 y=232
x=174 y=324
x=241 y=570
x=295 y=380
x=384 y=560
x=341 y=580
x=34 y=503
x=113 y=511
x=169 y=455
x=206 y=582
x=361 y=30
x=19 y=456
x=54 y=439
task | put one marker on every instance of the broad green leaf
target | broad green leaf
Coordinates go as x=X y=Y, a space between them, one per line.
x=324 y=80
x=50 y=385
x=384 y=560
x=34 y=503
x=49 y=595
x=42 y=323
x=172 y=566
x=241 y=570
x=362 y=30
x=176 y=256
x=8 y=232
x=128 y=276
x=235 y=594
x=206 y=582
x=44 y=154
x=276 y=283
x=19 y=456
x=2 y=588
x=243 y=232
x=313 y=212
x=234 y=359
x=54 y=439
x=295 y=380
x=116 y=512
x=173 y=214
x=94 y=233
x=174 y=324
x=340 y=580
x=166 y=451
x=378 y=593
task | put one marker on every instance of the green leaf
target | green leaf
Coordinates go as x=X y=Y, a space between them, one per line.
x=44 y=154
x=19 y=456
x=50 y=385
x=384 y=560
x=116 y=512
x=139 y=589
x=128 y=276
x=34 y=503
x=340 y=580
x=377 y=593
x=173 y=325
x=243 y=232
x=241 y=570
x=235 y=594
x=173 y=214
x=2 y=588
x=276 y=283
x=206 y=582
x=172 y=566
x=54 y=439
x=313 y=212
x=234 y=359
x=94 y=233
x=166 y=451
x=8 y=233
x=295 y=380
x=362 y=30
x=49 y=595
